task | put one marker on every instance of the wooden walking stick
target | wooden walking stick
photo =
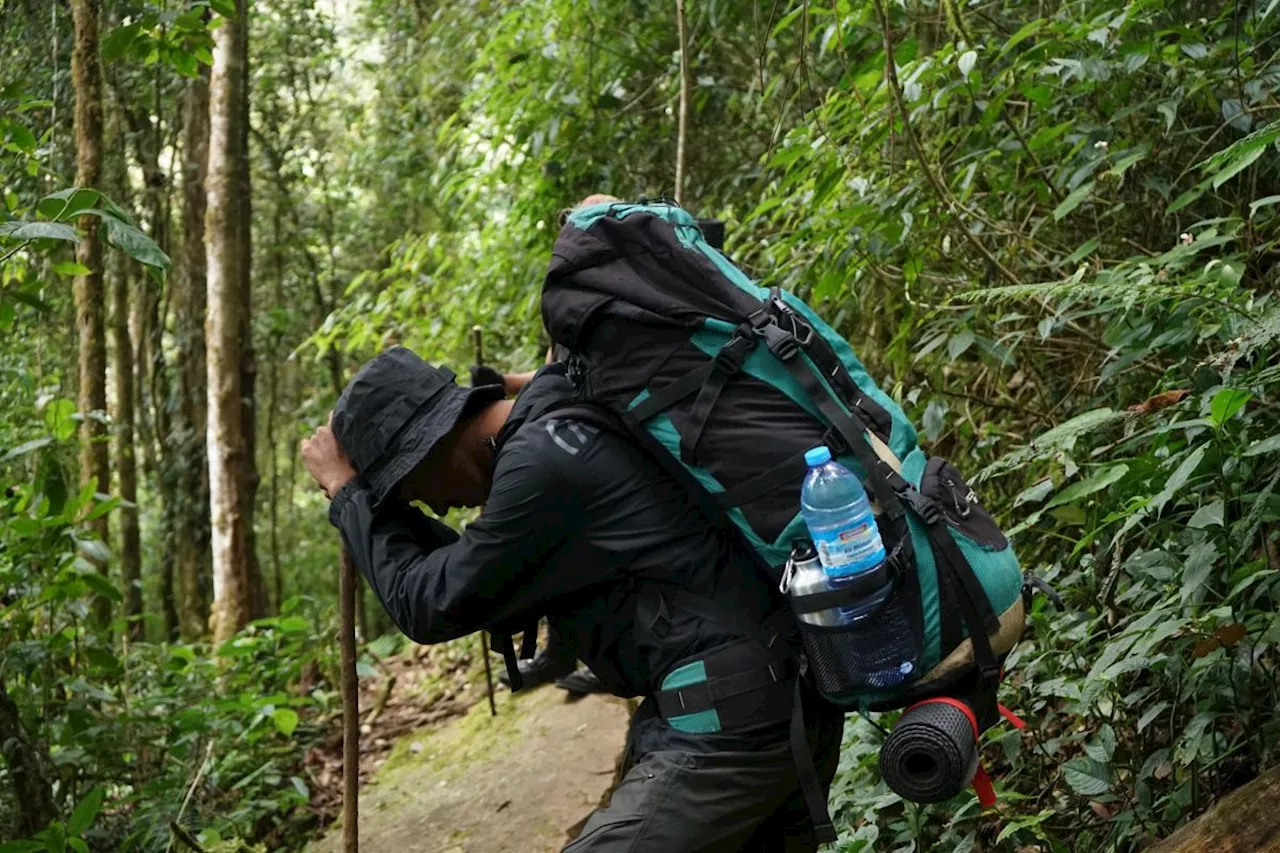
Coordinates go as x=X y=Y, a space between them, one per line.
x=477 y=336
x=350 y=705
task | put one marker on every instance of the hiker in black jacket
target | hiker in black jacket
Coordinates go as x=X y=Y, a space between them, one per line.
x=581 y=527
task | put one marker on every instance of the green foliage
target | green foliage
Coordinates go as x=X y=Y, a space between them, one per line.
x=1055 y=242
x=61 y=837
x=177 y=35
x=75 y=203
x=1070 y=281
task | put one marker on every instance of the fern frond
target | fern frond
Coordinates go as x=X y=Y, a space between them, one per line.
x=1060 y=439
x=1139 y=280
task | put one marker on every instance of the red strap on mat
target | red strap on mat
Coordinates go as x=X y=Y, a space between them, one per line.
x=1014 y=719
x=954 y=703
x=983 y=788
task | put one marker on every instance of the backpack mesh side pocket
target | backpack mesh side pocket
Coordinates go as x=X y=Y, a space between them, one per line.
x=877 y=652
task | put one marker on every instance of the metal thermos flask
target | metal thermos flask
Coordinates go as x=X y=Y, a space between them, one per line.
x=806 y=576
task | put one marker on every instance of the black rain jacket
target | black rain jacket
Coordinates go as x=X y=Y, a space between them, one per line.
x=580 y=527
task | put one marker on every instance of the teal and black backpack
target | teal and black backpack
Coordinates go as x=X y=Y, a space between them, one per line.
x=729 y=383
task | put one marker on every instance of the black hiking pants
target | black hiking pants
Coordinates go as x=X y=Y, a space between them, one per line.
x=686 y=793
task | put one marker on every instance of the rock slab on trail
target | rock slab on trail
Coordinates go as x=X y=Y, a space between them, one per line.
x=479 y=784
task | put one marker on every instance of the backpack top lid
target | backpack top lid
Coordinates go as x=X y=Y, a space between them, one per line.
x=617 y=251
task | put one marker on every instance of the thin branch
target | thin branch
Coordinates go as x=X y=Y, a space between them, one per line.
x=195 y=783
x=940 y=188
x=683 y=120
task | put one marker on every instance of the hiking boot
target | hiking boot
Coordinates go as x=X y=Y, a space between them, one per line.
x=581 y=682
x=540 y=669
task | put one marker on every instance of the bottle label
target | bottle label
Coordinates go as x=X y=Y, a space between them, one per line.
x=853 y=549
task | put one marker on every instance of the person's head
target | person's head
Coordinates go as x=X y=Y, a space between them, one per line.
x=413 y=434
x=456 y=473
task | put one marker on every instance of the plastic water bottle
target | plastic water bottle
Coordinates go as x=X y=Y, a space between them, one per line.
x=843 y=527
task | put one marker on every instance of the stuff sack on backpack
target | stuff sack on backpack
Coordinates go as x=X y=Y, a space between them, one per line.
x=729 y=383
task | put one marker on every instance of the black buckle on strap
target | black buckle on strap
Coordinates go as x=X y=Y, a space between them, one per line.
x=1032 y=584
x=730 y=357
x=783 y=344
x=802 y=330
x=924 y=507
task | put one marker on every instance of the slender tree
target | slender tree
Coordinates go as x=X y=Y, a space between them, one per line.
x=86 y=74
x=191 y=510
x=153 y=131
x=260 y=602
x=123 y=372
x=237 y=584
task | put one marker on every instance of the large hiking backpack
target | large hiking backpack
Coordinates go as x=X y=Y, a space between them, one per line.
x=728 y=383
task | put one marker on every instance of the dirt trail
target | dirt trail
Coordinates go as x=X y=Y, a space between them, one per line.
x=479 y=784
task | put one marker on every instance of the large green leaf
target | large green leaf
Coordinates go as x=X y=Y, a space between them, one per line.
x=1035 y=493
x=1106 y=477
x=20 y=136
x=1209 y=515
x=137 y=245
x=82 y=818
x=1242 y=149
x=64 y=204
x=286 y=720
x=1102 y=747
x=1226 y=403
x=1087 y=776
x=1201 y=558
x=59 y=416
x=102 y=586
x=1265 y=445
x=1178 y=479
x=1193 y=737
x=25 y=448
x=1149 y=716
x=118 y=40
x=18 y=230
x=1072 y=201
x=1025 y=32
x=71 y=268
x=1237 y=166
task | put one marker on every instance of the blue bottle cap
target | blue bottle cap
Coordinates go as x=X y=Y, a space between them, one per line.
x=817 y=456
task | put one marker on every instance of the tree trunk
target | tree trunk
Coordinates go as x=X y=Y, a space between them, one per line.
x=28 y=770
x=191 y=509
x=273 y=399
x=155 y=407
x=1245 y=819
x=260 y=602
x=237 y=584
x=86 y=73
x=123 y=417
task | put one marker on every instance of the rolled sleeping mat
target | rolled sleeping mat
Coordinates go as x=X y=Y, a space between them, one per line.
x=931 y=755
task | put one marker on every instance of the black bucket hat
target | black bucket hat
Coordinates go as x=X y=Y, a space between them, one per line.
x=395 y=410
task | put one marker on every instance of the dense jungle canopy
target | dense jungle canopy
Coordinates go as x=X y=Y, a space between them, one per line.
x=1049 y=228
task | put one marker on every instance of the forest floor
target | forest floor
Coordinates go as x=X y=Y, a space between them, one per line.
x=440 y=774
